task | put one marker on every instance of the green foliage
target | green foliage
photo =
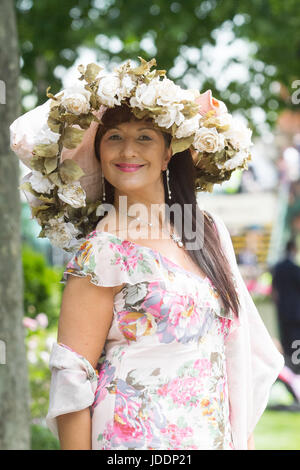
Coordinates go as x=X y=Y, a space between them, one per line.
x=51 y=32
x=43 y=439
x=278 y=430
x=38 y=347
x=42 y=288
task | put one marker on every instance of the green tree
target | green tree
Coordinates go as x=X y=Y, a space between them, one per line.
x=51 y=32
x=42 y=289
x=14 y=387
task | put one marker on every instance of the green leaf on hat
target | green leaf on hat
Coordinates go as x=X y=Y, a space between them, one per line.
x=46 y=150
x=72 y=137
x=27 y=187
x=48 y=200
x=50 y=164
x=179 y=145
x=35 y=210
x=190 y=109
x=91 y=72
x=37 y=163
x=55 y=178
x=85 y=120
x=144 y=68
x=70 y=171
x=54 y=119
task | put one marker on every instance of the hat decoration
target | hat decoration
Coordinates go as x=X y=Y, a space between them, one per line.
x=56 y=141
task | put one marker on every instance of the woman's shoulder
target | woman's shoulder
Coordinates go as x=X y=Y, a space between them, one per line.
x=111 y=260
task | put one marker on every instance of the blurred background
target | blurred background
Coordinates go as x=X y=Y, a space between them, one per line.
x=248 y=54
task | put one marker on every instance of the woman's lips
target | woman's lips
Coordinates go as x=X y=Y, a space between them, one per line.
x=128 y=167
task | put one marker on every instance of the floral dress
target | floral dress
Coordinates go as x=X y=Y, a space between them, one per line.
x=161 y=381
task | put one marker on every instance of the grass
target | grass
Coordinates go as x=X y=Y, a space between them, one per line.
x=278 y=430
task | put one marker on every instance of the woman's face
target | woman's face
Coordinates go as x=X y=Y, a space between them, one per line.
x=133 y=155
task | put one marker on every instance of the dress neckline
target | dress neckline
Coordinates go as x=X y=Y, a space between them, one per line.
x=156 y=252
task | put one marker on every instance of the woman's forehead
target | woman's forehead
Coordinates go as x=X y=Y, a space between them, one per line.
x=137 y=124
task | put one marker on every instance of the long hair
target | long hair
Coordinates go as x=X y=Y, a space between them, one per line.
x=182 y=172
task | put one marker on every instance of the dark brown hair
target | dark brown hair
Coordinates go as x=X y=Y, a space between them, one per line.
x=182 y=174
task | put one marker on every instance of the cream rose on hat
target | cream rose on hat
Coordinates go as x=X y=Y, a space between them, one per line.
x=55 y=140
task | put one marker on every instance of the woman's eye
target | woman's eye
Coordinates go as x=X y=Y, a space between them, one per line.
x=114 y=137
x=145 y=137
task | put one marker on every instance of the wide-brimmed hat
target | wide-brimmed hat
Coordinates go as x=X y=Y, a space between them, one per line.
x=56 y=141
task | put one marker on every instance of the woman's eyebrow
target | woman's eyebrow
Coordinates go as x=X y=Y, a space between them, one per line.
x=139 y=129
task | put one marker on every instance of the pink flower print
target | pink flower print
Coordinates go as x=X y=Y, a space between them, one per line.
x=224 y=326
x=126 y=255
x=105 y=376
x=203 y=366
x=175 y=435
x=154 y=299
x=133 y=417
x=182 y=320
x=183 y=390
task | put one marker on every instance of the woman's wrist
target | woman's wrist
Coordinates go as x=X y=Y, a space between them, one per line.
x=75 y=430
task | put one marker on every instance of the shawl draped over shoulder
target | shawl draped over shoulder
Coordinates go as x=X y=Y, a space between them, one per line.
x=252 y=360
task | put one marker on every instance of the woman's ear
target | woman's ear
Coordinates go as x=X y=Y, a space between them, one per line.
x=167 y=157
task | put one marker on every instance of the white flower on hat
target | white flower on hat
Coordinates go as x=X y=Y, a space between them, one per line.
x=235 y=161
x=168 y=92
x=31 y=129
x=73 y=194
x=239 y=135
x=208 y=140
x=127 y=84
x=40 y=183
x=189 y=95
x=224 y=119
x=60 y=233
x=76 y=100
x=108 y=90
x=171 y=115
x=145 y=95
x=46 y=136
x=188 y=127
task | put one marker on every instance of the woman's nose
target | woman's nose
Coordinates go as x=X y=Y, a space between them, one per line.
x=128 y=148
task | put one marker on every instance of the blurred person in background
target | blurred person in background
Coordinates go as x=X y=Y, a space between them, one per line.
x=286 y=295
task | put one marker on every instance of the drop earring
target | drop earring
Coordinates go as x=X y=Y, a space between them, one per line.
x=103 y=188
x=168 y=182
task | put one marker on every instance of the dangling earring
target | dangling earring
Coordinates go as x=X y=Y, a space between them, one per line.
x=103 y=188
x=168 y=183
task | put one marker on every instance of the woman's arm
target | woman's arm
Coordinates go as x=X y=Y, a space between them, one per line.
x=75 y=430
x=251 y=443
x=85 y=319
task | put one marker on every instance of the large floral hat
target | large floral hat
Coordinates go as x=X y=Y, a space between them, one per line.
x=56 y=141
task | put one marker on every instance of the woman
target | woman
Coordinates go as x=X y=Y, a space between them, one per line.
x=159 y=346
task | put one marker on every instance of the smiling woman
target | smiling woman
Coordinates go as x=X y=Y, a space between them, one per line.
x=159 y=343
x=133 y=154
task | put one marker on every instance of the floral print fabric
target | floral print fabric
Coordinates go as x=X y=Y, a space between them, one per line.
x=162 y=380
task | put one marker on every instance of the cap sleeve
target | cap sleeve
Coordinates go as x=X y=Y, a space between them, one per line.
x=111 y=261
x=73 y=384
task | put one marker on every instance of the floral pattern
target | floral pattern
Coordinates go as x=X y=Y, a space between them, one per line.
x=162 y=373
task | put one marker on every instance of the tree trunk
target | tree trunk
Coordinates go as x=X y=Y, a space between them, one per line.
x=14 y=384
